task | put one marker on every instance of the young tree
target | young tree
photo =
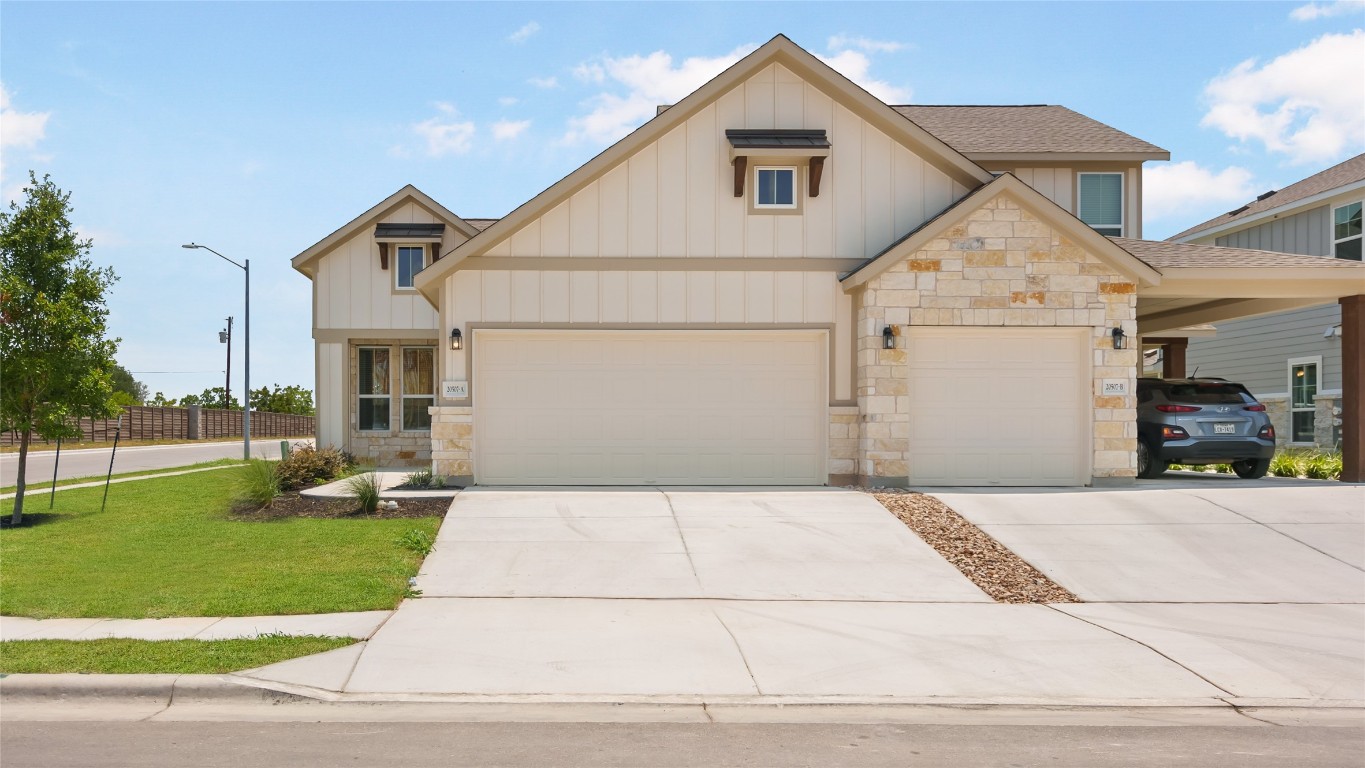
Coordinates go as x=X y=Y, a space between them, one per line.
x=55 y=362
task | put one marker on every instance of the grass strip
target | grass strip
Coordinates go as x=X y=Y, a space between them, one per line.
x=185 y=657
x=167 y=546
x=47 y=485
x=66 y=446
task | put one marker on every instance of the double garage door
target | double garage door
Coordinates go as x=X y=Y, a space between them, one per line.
x=644 y=407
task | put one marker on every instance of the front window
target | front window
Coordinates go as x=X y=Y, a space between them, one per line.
x=410 y=260
x=1100 y=197
x=419 y=387
x=1346 y=233
x=373 y=389
x=1303 y=386
x=774 y=187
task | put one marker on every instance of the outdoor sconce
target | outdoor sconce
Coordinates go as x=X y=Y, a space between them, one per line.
x=456 y=339
x=888 y=338
x=1120 y=341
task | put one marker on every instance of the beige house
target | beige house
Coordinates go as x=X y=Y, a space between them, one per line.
x=779 y=280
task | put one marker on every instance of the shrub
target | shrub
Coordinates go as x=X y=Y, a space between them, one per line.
x=419 y=479
x=418 y=541
x=364 y=488
x=256 y=483
x=1323 y=466
x=306 y=466
x=1288 y=464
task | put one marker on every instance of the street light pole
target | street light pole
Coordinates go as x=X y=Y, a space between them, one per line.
x=226 y=338
x=245 y=266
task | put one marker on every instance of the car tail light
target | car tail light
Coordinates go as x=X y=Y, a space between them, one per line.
x=1178 y=408
x=1174 y=433
x=1256 y=407
x=1267 y=432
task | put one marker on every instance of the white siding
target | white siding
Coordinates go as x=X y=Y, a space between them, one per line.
x=646 y=298
x=675 y=197
x=331 y=414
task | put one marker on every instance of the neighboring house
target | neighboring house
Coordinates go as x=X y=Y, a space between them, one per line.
x=1291 y=361
x=779 y=280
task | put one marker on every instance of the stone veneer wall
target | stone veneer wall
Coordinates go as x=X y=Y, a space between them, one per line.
x=1326 y=420
x=452 y=443
x=843 y=444
x=1001 y=266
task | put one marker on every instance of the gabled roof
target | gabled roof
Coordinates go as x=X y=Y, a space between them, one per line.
x=1002 y=131
x=306 y=262
x=1167 y=255
x=780 y=50
x=1037 y=204
x=1338 y=178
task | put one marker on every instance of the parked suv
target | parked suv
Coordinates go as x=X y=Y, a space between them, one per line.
x=1202 y=421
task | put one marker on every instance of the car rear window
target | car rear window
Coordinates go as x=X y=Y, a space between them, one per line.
x=1209 y=393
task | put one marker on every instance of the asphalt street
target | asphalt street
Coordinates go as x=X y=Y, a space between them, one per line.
x=94 y=462
x=668 y=745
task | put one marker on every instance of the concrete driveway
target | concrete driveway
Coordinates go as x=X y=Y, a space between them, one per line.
x=816 y=595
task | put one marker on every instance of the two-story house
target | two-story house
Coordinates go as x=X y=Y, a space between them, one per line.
x=780 y=280
x=1291 y=361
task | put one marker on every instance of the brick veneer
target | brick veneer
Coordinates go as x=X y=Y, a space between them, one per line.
x=1000 y=266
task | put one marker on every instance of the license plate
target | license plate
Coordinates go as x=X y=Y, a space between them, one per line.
x=1224 y=429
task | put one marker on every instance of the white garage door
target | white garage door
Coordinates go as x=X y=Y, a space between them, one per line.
x=642 y=407
x=999 y=406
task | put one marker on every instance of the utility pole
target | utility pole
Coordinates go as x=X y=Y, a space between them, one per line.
x=225 y=337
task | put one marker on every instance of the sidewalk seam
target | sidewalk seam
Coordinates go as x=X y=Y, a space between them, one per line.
x=682 y=539
x=740 y=650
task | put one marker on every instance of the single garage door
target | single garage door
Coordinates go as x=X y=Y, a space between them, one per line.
x=999 y=406
x=643 y=407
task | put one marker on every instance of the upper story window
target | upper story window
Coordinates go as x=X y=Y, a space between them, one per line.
x=1346 y=233
x=410 y=259
x=775 y=187
x=1100 y=202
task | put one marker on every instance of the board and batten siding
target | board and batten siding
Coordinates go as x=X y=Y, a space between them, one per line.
x=675 y=197
x=1306 y=233
x=1256 y=351
x=331 y=415
x=1058 y=184
x=353 y=292
x=702 y=299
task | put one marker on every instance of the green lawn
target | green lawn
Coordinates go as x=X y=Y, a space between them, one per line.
x=184 y=657
x=165 y=547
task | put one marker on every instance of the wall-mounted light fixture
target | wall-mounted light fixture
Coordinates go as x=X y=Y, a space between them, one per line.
x=888 y=338
x=1120 y=340
x=456 y=339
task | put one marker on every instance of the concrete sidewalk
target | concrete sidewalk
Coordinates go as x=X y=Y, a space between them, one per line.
x=360 y=624
x=388 y=481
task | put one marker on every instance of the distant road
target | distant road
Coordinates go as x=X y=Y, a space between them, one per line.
x=88 y=462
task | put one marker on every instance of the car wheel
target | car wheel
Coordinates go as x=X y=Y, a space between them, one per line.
x=1149 y=466
x=1251 y=469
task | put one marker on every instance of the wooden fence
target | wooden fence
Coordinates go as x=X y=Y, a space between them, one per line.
x=145 y=422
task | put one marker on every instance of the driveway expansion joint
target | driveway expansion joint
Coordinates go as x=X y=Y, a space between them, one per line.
x=1273 y=529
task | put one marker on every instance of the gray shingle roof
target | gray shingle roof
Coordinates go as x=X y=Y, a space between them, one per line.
x=1339 y=175
x=1029 y=128
x=1164 y=255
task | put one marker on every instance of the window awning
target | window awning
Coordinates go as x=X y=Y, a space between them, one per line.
x=778 y=144
x=409 y=232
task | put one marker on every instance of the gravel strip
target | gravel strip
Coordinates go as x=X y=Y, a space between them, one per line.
x=996 y=570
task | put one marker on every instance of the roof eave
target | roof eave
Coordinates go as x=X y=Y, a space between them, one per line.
x=1077 y=157
x=1252 y=219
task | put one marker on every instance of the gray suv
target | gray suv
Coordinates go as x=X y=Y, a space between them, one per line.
x=1202 y=421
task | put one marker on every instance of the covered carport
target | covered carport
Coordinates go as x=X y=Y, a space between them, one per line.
x=1205 y=284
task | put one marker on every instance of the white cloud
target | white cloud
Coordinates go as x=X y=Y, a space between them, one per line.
x=21 y=129
x=649 y=81
x=855 y=65
x=527 y=29
x=446 y=136
x=544 y=82
x=1308 y=104
x=505 y=130
x=507 y=101
x=1179 y=188
x=843 y=42
x=1314 y=11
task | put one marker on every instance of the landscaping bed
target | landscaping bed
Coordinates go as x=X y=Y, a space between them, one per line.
x=1000 y=573
x=291 y=504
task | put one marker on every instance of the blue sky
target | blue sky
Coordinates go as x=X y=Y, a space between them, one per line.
x=258 y=128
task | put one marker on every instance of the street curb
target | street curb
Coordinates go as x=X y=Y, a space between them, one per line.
x=166 y=689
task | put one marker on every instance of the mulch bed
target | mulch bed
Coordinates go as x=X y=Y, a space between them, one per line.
x=1000 y=573
x=291 y=504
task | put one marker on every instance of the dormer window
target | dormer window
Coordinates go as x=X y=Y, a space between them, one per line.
x=775 y=187
x=770 y=162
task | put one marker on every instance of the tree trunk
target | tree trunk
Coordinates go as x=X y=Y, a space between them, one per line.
x=18 y=517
